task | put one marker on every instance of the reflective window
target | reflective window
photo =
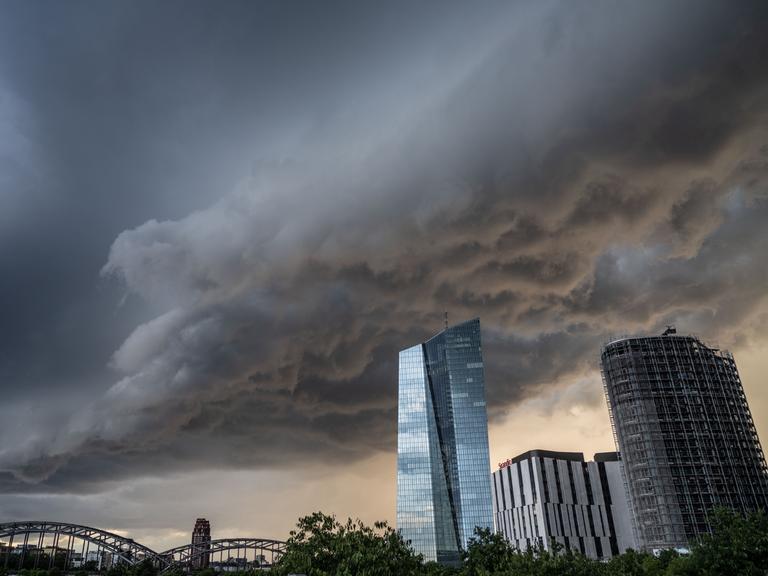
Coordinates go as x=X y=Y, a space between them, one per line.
x=443 y=480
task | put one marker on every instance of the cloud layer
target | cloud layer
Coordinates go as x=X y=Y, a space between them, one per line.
x=584 y=171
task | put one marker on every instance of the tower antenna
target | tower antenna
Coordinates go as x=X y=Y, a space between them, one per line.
x=445 y=318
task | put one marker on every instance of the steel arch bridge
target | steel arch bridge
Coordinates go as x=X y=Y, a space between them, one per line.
x=30 y=538
x=121 y=547
x=265 y=552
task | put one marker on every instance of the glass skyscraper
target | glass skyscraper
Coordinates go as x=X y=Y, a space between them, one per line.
x=443 y=466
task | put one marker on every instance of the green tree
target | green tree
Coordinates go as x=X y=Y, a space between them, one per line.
x=489 y=553
x=681 y=566
x=556 y=562
x=322 y=546
x=633 y=563
x=144 y=568
x=435 y=569
x=116 y=570
x=738 y=546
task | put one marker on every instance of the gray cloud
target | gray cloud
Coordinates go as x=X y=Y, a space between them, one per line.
x=591 y=169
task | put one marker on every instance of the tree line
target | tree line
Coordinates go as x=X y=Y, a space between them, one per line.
x=321 y=545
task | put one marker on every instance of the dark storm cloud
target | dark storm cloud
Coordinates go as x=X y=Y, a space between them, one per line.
x=583 y=170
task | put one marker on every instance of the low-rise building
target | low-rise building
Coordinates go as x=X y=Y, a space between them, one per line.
x=542 y=497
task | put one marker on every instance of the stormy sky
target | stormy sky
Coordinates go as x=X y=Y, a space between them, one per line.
x=220 y=221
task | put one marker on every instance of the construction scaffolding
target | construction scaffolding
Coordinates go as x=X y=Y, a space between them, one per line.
x=685 y=434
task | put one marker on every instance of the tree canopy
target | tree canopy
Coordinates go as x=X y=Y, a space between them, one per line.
x=323 y=546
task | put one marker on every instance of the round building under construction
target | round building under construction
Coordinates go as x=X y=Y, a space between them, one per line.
x=685 y=434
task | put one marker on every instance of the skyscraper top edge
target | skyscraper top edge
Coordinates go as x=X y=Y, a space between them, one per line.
x=665 y=335
x=404 y=350
x=454 y=326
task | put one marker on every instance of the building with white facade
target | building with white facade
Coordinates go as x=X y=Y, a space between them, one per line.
x=541 y=497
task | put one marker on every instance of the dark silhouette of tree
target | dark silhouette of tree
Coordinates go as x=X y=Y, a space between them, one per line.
x=321 y=546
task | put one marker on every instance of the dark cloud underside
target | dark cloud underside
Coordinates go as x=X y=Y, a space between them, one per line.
x=579 y=171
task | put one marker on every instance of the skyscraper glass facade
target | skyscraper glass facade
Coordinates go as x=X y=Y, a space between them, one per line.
x=443 y=465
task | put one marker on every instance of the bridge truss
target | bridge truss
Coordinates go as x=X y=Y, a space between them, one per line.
x=46 y=544
x=60 y=539
x=240 y=552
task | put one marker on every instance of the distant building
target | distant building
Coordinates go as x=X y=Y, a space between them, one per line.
x=443 y=482
x=98 y=559
x=685 y=435
x=201 y=544
x=76 y=559
x=541 y=497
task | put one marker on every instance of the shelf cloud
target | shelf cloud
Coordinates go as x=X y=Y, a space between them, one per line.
x=565 y=172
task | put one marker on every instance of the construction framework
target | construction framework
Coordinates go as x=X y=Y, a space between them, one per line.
x=685 y=434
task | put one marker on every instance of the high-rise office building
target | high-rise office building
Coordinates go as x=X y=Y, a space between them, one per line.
x=541 y=497
x=443 y=466
x=201 y=542
x=685 y=434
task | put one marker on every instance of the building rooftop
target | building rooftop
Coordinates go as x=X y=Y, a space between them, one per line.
x=446 y=328
x=574 y=456
x=571 y=456
x=607 y=457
